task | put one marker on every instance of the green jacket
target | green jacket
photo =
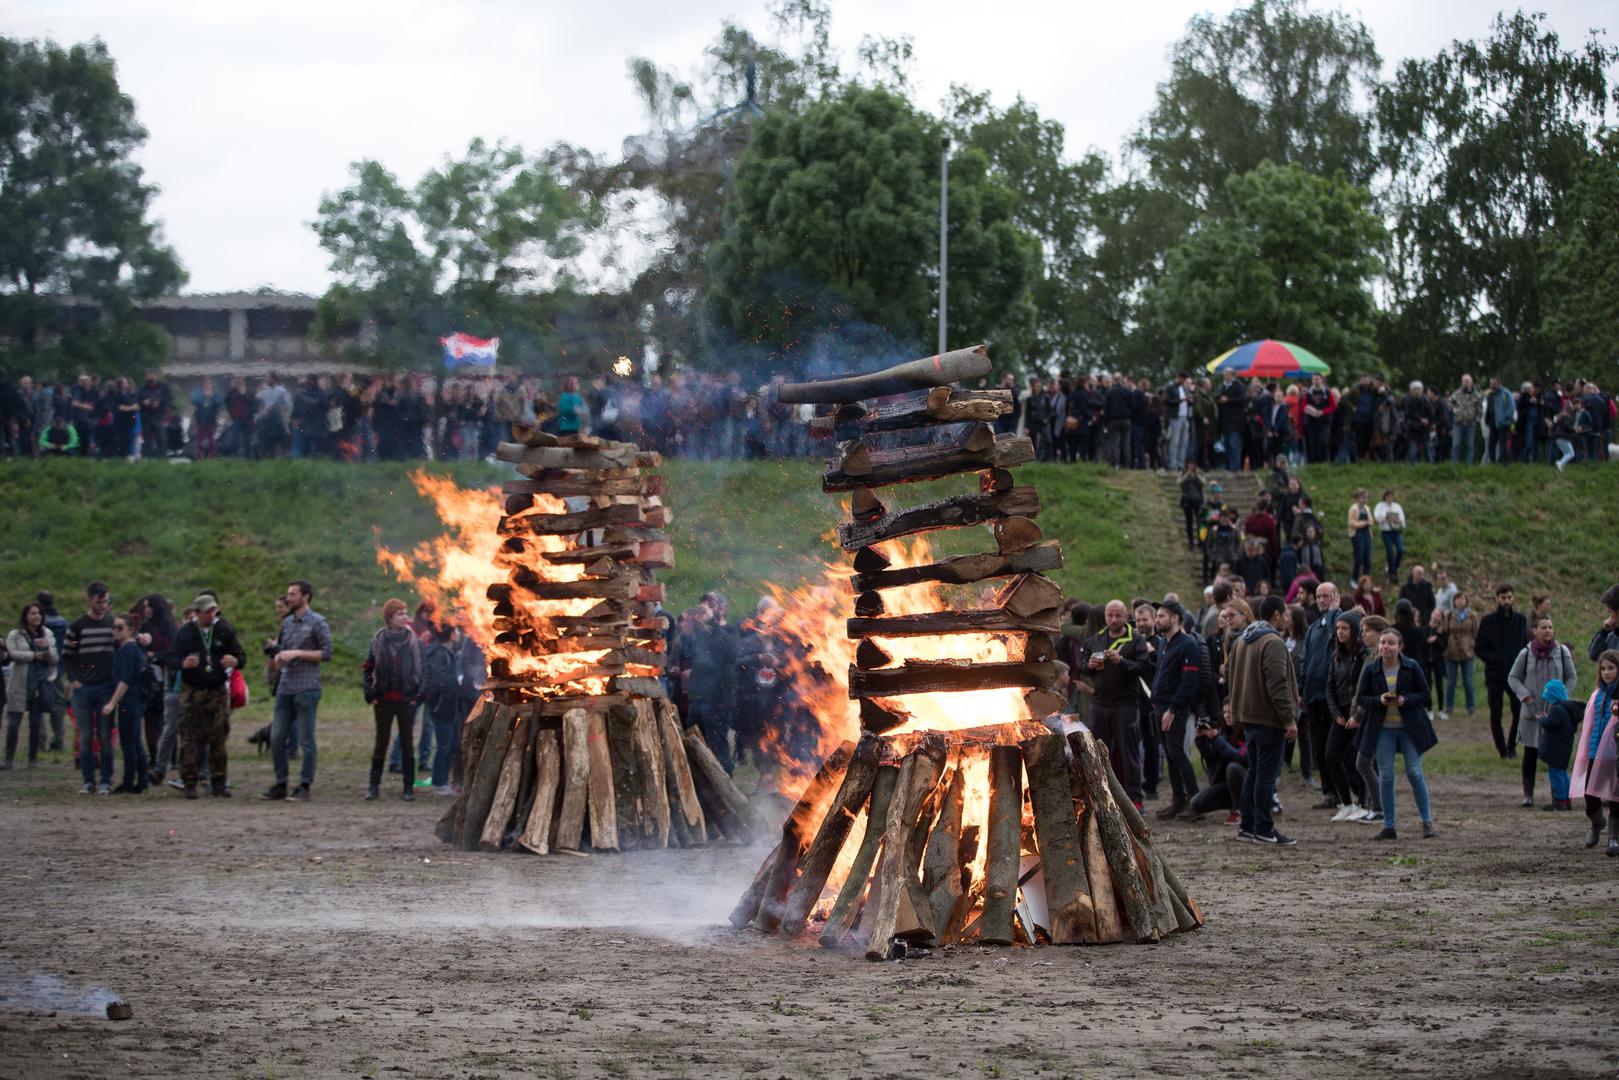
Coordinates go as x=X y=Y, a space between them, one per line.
x=1264 y=690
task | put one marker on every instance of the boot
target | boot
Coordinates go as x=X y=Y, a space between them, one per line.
x=1613 y=831
x=372 y=794
x=1173 y=810
x=1593 y=835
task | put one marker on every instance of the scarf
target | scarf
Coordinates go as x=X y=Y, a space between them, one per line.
x=1543 y=652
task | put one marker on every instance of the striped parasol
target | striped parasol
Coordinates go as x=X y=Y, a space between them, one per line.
x=1269 y=360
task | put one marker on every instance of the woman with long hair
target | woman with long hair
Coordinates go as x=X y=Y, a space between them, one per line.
x=1542 y=660
x=1596 y=754
x=33 y=664
x=157 y=628
x=1342 y=779
x=1460 y=628
x=1368 y=597
x=1393 y=696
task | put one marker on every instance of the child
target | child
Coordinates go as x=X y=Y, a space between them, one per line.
x=1596 y=754
x=1557 y=739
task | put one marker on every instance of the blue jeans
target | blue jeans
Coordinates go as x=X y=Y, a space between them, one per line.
x=1233 y=448
x=1362 y=544
x=90 y=700
x=445 y=722
x=1259 y=786
x=1560 y=781
x=131 y=734
x=1393 y=550
x=1464 y=668
x=1465 y=433
x=1389 y=740
x=294 y=710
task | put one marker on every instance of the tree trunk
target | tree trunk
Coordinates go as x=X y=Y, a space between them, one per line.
x=717 y=778
x=1109 y=920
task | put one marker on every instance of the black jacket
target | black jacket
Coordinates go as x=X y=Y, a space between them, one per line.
x=1234 y=409
x=1500 y=639
x=1116 y=403
x=1412 y=686
x=1603 y=640
x=188 y=642
x=1557 y=730
x=1117 y=684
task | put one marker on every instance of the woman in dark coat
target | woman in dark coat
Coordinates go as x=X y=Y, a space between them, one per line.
x=1394 y=697
x=1342 y=778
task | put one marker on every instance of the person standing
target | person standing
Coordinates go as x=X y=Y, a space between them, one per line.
x=1540 y=661
x=131 y=682
x=1390 y=518
x=1500 y=411
x=1175 y=687
x=1360 y=534
x=32 y=648
x=1393 y=695
x=1191 y=489
x=393 y=688
x=1315 y=656
x=205 y=652
x=1232 y=401
x=1116 y=662
x=1607 y=635
x=87 y=654
x=1178 y=414
x=1467 y=406
x=1264 y=701
x=1116 y=409
x=1320 y=403
x=1502 y=635
x=1460 y=629
x=1596 y=754
x=1340 y=775
x=303 y=645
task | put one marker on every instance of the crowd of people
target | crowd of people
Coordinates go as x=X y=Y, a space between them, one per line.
x=1116 y=419
x=1249 y=677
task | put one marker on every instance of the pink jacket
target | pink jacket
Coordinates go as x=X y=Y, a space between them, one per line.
x=1601 y=777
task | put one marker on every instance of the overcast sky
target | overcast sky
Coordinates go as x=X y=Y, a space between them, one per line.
x=255 y=109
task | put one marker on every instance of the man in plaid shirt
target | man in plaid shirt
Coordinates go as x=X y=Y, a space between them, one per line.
x=305 y=642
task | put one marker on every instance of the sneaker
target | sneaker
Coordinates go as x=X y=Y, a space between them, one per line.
x=426 y=782
x=1558 y=804
x=1243 y=834
x=302 y=794
x=372 y=794
x=177 y=784
x=1234 y=818
x=88 y=789
x=276 y=793
x=1429 y=830
x=444 y=792
x=1528 y=801
x=191 y=792
x=1276 y=806
x=409 y=795
x=104 y=789
x=1275 y=838
x=1387 y=834
x=1371 y=817
x=1347 y=811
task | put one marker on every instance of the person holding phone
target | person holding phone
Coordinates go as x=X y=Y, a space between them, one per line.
x=1393 y=695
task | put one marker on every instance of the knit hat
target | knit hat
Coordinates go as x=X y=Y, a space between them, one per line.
x=1554 y=691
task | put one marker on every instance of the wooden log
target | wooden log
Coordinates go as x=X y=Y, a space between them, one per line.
x=620 y=552
x=1178 y=886
x=1128 y=882
x=963 y=569
x=879 y=716
x=922 y=408
x=626 y=534
x=603 y=807
x=822 y=855
x=982 y=737
x=474 y=737
x=1030 y=594
x=678 y=768
x=481 y=785
x=871 y=559
x=576 y=788
x=1109 y=919
x=941 y=370
x=1163 y=915
x=654 y=793
x=918 y=775
x=748 y=906
x=622 y=456
x=620 y=721
x=507 y=787
x=995 y=480
x=865 y=504
x=574 y=482
x=869 y=604
x=913 y=464
x=536 y=835
x=561 y=706
x=1171 y=902
x=930 y=623
x=955 y=512
x=796 y=834
x=1004 y=836
x=1062 y=856
x=719 y=782
x=623 y=587
x=947 y=676
x=846 y=907
x=637 y=685
x=570 y=523
x=656 y=555
x=1015 y=534
x=1044 y=703
x=941 y=864
x=869 y=654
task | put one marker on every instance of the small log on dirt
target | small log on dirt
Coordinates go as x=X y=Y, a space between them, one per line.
x=963 y=569
x=748 y=906
x=952 y=513
x=1114 y=834
x=846 y=908
x=720 y=784
x=918 y=776
x=928 y=372
x=536 y=835
x=1005 y=844
x=480 y=785
x=1062 y=857
x=504 y=802
x=682 y=790
x=1109 y=919
x=576 y=787
x=817 y=863
x=922 y=408
x=603 y=807
x=620 y=722
x=941 y=864
x=913 y=464
x=796 y=834
x=930 y=623
x=948 y=676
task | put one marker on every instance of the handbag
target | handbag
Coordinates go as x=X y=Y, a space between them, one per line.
x=238 y=689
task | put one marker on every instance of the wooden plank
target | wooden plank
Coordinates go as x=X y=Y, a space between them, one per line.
x=603 y=815
x=920 y=408
x=654 y=794
x=931 y=623
x=536 y=835
x=948 y=676
x=678 y=769
x=714 y=774
x=506 y=788
x=620 y=721
x=480 y=785
x=956 y=512
x=1072 y=916
x=1005 y=844
x=913 y=464
x=575 y=790
x=963 y=569
x=918 y=775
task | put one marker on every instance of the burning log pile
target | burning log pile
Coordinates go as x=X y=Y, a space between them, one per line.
x=575 y=744
x=994 y=820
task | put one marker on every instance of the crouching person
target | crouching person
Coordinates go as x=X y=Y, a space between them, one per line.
x=205 y=650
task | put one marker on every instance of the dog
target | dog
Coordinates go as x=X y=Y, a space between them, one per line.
x=262 y=738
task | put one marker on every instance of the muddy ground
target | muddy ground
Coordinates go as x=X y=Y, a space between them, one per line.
x=338 y=938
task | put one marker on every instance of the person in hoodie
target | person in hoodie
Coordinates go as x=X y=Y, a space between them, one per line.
x=393 y=688
x=1557 y=728
x=1542 y=660
x=1596 y=754
x=1264 y=700
x=1393 y=695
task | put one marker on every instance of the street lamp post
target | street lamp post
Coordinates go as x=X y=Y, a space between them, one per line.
x=944 y=241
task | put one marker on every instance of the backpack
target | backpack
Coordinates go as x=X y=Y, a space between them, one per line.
x=146 y=680
x=438 y=672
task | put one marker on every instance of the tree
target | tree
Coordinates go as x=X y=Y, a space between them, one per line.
x=1273 y=81
x=74 y=211
x=1581 y=257
x=833 y=222
x=472 y=246
x=1482 y=143
x=1293 y=260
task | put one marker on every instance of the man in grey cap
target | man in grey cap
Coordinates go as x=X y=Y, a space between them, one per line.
x=205 y=651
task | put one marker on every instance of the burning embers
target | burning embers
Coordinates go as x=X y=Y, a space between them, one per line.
x=575 y=733
x=959 y=813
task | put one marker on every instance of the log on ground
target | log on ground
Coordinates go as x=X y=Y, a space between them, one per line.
x=846 y=907
x=796 y=834
x=817 y=863
x=1128 y=882
x=918 y=775
x=536 y=835
x=506 y=788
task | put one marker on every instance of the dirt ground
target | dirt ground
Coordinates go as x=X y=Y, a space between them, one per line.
x=338 y=938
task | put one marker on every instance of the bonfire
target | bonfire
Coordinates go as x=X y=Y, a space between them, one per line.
x=954 y=802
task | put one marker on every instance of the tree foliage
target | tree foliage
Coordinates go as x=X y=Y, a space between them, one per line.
x=1581 y=260
x=834 y=220
x=1482 y=144
x=1294 y=260
x=74 y=210
x=470 y=246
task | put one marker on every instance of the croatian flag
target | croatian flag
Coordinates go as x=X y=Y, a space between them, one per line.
x=462 y=350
